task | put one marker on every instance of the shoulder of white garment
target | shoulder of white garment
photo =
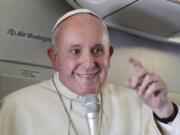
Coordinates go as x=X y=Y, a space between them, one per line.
x=47 y=88
x=27 y=93
x=121 y=94
x=119 y=90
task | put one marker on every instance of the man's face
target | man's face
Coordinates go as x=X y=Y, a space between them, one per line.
x=82 y=54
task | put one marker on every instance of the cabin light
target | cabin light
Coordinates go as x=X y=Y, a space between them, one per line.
x=175 y=37
x=96 y=1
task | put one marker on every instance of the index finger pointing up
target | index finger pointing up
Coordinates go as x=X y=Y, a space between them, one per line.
x=136 y=64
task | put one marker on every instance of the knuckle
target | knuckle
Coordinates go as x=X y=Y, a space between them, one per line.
x=148 y=77
x=154 y=85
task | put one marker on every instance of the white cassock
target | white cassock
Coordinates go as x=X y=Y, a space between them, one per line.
x=38 y=110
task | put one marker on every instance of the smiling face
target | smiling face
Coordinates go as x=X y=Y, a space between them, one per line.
x=82 y=54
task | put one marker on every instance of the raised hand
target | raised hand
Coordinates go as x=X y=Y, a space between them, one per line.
x=150 y=88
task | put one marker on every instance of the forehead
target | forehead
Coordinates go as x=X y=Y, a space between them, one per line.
x=81 y=22
x=81 y=18
x=82 y=26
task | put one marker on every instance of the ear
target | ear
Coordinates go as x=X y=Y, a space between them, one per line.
x=111 y=50
x=53 y=57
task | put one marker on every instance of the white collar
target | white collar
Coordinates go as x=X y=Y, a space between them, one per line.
x=64 y=90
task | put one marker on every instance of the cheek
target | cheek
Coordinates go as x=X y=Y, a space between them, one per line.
x=67 y=66
x=104 y=63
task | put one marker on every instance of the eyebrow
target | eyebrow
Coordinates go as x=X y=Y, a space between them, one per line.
x=78 y=45
x=74 y=45
x=99 y=44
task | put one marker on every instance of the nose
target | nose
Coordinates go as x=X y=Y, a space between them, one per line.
x=88 y=61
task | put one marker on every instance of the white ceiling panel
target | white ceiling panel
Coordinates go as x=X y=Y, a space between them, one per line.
x=157 y=17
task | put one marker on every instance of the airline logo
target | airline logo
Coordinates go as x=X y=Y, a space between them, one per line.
x=29 y=35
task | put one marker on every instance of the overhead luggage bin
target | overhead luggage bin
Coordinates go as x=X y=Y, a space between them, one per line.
x=16 y=75
x=154 y=19
x=101 y=7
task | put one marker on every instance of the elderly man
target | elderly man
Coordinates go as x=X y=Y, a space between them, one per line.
x=81 y=57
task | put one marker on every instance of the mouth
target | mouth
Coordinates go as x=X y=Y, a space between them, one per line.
x=87 y=75
x=88 y=82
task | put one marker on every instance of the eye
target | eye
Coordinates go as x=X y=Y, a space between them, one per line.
x=75 y=51
x=98 y=50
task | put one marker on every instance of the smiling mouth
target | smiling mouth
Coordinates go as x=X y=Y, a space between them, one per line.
x=89 y=75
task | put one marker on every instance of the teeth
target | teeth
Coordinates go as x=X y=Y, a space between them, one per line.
x=86 y=75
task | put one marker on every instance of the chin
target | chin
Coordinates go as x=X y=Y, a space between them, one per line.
x=88 y=91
